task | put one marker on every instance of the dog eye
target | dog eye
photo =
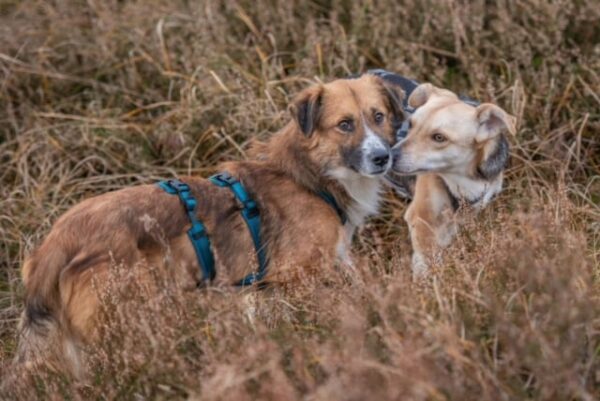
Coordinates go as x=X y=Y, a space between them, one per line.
x=437 y=137
x=378 y=117
x=346 y=125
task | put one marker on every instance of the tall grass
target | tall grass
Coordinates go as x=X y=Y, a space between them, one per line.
x=99 y=95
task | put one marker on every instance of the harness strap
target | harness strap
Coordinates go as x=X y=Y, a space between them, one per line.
x=250 y=212
x=197 y=233
x=251 y=216
x=456 y=202
x=327 y=197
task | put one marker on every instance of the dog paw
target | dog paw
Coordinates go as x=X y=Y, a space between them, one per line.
x=420 y=267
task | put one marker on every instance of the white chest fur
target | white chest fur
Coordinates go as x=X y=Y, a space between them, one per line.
x=475 y=191
x=365 y=195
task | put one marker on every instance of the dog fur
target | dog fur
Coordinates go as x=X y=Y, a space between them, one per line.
x=338 y=140
x=458 y=153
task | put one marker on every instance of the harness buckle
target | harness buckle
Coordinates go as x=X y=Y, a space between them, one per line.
x=223 y=179
x=250 y=209
x=197 y=232
x=190 y=204
x=179 y=186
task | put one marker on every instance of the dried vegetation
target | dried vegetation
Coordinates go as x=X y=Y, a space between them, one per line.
x=99 y=95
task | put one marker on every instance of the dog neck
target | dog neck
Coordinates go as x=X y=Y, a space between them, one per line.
x=471 y=191
x=356 y=195
x=364 y=194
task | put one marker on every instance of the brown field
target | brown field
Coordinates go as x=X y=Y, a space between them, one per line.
x=99 y=95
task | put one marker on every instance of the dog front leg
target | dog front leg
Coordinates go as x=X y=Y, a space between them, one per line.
x=342 y=249
x=346 y=260
x=429 y=234
x=423 y=239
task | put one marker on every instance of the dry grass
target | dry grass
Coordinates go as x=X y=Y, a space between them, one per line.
x=99 y=95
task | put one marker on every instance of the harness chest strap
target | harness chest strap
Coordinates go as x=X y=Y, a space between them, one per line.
x=250 y=212
x=251 y=216
x=197 y=233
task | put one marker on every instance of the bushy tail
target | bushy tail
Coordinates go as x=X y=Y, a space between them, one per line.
x=44 y=339
x=43 y=343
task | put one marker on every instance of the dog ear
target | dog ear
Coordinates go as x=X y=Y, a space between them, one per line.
x=492 y=121
x=420 y=95
x=395 y=97
x=495 y=152
x=306 y=108
x=494 y=157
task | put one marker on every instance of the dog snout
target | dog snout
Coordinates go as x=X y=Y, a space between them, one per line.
x=380 y=157
x=375 y=153
x=377 y=160
x=399 y=158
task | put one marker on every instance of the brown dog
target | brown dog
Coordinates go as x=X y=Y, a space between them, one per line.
x=338 y=141
x=459 y=153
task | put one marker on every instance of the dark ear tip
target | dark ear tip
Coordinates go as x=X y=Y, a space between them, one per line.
x=496 y=161
x=305 y=110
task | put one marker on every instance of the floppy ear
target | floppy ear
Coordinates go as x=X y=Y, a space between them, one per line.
x=420 y=95
x=492 y=121
x=305 y=109
x=494 y=157
x=395 y=96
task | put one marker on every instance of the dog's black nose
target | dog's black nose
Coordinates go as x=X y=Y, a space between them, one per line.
x=380 y=157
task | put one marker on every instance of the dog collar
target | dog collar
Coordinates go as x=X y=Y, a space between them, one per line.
x=330 y=200
x=456 y=201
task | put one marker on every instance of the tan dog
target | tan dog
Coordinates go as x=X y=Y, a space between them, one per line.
x=459 y=153
x=338 y=141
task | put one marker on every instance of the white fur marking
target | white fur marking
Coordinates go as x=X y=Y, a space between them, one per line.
x=342 y=250
x=473 y=189
x=370 y=142
x=365 y=194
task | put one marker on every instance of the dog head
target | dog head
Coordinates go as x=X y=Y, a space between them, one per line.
x=450 y=136
x=348 y=125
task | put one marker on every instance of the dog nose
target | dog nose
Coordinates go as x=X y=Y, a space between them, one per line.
x=380 y=157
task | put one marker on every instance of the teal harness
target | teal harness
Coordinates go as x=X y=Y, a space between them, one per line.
x=250 y=212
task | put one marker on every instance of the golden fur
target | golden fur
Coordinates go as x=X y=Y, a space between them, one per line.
x=458 y=153
x=145 y=226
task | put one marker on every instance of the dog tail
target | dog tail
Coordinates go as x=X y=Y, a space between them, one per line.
x=44 y=339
